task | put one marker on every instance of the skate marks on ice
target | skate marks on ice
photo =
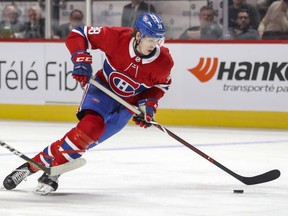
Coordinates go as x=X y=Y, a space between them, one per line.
x=151 y=199
x=143 y=172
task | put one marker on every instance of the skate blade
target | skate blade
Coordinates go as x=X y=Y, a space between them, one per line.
x=43 y=190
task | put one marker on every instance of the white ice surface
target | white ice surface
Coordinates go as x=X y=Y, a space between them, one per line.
x=142 y=172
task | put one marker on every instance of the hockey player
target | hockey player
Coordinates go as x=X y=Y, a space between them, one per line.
x=137 y=68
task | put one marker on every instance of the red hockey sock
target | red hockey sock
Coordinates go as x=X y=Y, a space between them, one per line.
x=46 y=157
x=74 y=143
x=73 y=146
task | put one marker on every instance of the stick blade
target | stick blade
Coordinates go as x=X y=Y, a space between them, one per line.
x=67 y=167
x=265 y=177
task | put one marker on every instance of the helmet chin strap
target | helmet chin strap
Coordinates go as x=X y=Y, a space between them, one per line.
x=136 y=44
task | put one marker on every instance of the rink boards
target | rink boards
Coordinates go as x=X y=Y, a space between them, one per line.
x=66 y=113
x=213 y=85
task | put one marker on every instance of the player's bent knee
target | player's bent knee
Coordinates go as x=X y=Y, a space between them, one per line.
x=71 y=147
x=79 y=139
x=92 y=125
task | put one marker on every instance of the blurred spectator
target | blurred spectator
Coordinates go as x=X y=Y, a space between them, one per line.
x=208 y=28
x=241 y=4
x=10 y=26
x=274 y=25
x=75 y=20
x=263 y=5
x=243 y=31
x=133 y=10
x=35 y=27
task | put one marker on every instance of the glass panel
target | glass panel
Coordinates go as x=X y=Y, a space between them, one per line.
x=71 y=14
x=177 y=15
x=21 y=19
x=182 y=18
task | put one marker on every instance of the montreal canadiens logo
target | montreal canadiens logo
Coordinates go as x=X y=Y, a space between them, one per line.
x=145 y=18
x=122 y=85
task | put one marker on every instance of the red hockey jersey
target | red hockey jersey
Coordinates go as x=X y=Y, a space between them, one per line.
x=129 y=75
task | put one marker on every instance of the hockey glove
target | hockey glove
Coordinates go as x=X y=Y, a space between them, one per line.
x=82 y=66
x=148 y=107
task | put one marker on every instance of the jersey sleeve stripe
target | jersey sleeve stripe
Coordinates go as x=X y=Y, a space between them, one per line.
x=162 y=87
x=82 y=30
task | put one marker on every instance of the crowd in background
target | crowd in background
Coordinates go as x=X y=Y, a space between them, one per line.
x=267 y=19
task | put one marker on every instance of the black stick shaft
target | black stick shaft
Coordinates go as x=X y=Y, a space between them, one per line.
x=262 y=178
x=265 y=177
x=21 y=155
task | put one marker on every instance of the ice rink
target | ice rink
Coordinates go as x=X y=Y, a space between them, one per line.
x=145 y=172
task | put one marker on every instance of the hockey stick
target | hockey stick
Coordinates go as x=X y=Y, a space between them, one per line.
x=262 y=178
x=55 y=170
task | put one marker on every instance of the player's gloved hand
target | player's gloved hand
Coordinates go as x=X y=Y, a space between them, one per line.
x=82 y=66
x=148 y=107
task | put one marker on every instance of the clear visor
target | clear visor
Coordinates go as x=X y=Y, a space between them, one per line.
x=154 y=41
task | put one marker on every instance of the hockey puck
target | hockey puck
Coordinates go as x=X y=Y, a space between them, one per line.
x=238 y=191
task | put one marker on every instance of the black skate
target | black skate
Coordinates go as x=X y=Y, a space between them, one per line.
x=17 y=176
x=47 y=184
